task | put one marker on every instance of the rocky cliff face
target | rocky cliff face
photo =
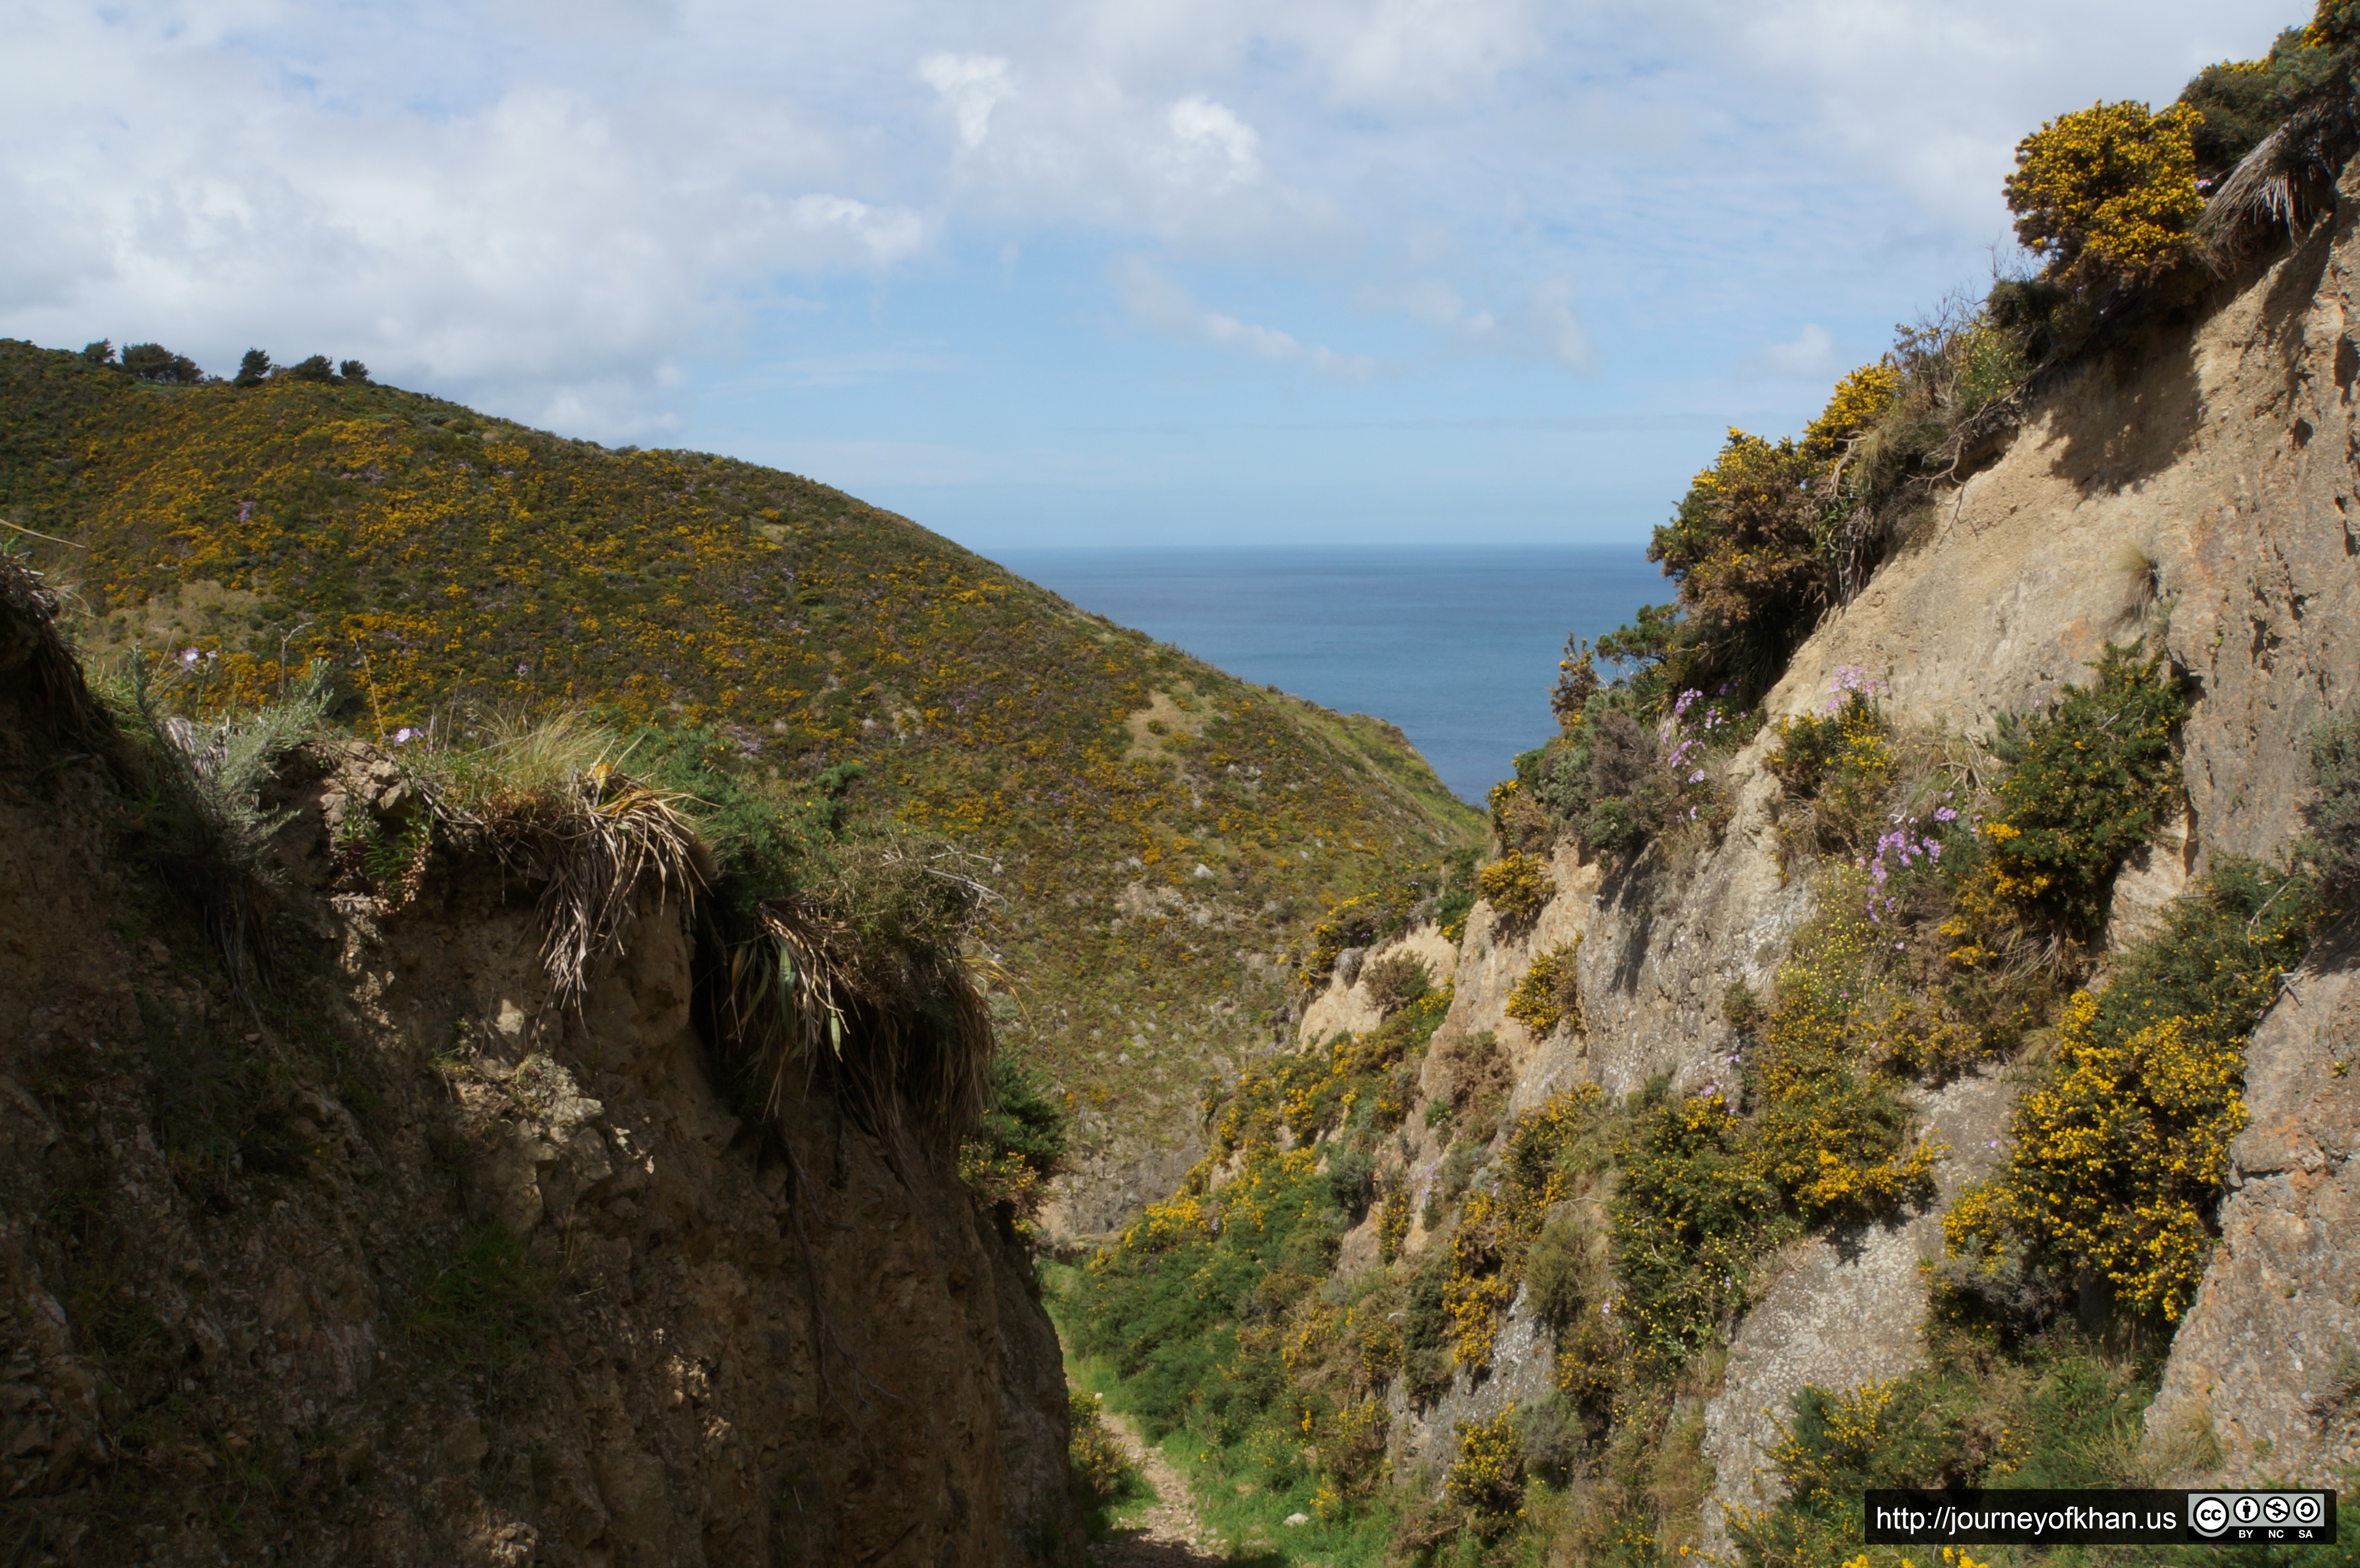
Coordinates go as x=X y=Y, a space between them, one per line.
x=2203 y=476
x=396 y=1260
x=2194 y=484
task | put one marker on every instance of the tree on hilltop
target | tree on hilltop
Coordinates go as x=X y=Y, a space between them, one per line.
x=154 y=362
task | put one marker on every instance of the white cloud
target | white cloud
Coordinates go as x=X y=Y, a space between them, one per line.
x=1421 y=53
x=561 y=206
x=1079 y=146
x=1213 y=148
x=972 y=85
x=1548 y=316
x=1812 y=355
x=1929 y=98
x=1543 y=324
x=547 y=247
x=1157 y=303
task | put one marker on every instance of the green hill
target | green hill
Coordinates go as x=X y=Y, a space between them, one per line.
x=1162 y=832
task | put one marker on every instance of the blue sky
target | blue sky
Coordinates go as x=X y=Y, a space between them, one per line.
x=1072 y=271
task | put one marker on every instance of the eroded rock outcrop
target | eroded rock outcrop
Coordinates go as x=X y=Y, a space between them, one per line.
x=399 y=1261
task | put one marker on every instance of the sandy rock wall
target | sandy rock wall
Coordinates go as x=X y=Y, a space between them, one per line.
x=403 y=1265
x=2267 y=1365
x=1835 y=1311
x=2202 y=477
x=2202 y=469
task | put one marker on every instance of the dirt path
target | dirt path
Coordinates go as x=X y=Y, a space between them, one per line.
x=1171 y=1535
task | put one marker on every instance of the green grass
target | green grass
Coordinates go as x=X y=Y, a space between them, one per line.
x=1254 y=1518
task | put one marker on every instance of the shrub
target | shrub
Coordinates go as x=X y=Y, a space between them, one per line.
x=1102 y=1472
x=1858 y=403
x=1358 y=922
x=2240 y=102
x=1549 y=995
x=1456 y=901
x=1352 y=1177
x=1396 y=980
x=386 y=867
x=1899 y=1432
x=315 y=368
x=1392 y=1218
x=352 y=370
x=1549 y=1434
x=1018 y=1144
x=1841 y=759
x=2090 y=779
x=1744 y=547
x=2056 y=1411
x=1517 y=885
x=1518 y=820
x=253 y=367
x=1496 y=1229
x=1628 y=796
x=1352 y=1446
x=1690 y=1211
x=2108 y=193
x=1476 y=1074
x=1191 y=1300
x=1487 y=1479
x=2335 y=813
x=2120 y=1158
x=1555 y=1275
x=1576 y=680
x=1019 y=1117
x=202 y=818
x=1426 y=1333
x=1833 y=1140
x=2119 y=1154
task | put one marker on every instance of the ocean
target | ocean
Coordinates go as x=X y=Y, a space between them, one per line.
x=1457 y=645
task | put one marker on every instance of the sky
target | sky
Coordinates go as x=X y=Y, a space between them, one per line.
x=1068 y=272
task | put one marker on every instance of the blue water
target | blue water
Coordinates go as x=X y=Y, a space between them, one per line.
x=1457 y=645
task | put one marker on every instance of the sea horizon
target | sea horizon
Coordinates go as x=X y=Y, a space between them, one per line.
x=1456 y=644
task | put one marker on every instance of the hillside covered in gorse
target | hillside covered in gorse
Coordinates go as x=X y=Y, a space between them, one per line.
x=1156 y=835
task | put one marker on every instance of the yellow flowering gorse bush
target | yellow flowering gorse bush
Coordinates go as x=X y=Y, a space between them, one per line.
x=2118 y=1160
x=2108 y=193
x=1517 y=886
x=1549 y=995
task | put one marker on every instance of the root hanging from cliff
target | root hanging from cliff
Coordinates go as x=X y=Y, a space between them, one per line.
x=598 y=847
x=551 y=798
x=863 y=980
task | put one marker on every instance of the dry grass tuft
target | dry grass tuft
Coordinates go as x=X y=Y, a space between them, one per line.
x=551 y=797
x=2286 y=181
x=863 y=979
